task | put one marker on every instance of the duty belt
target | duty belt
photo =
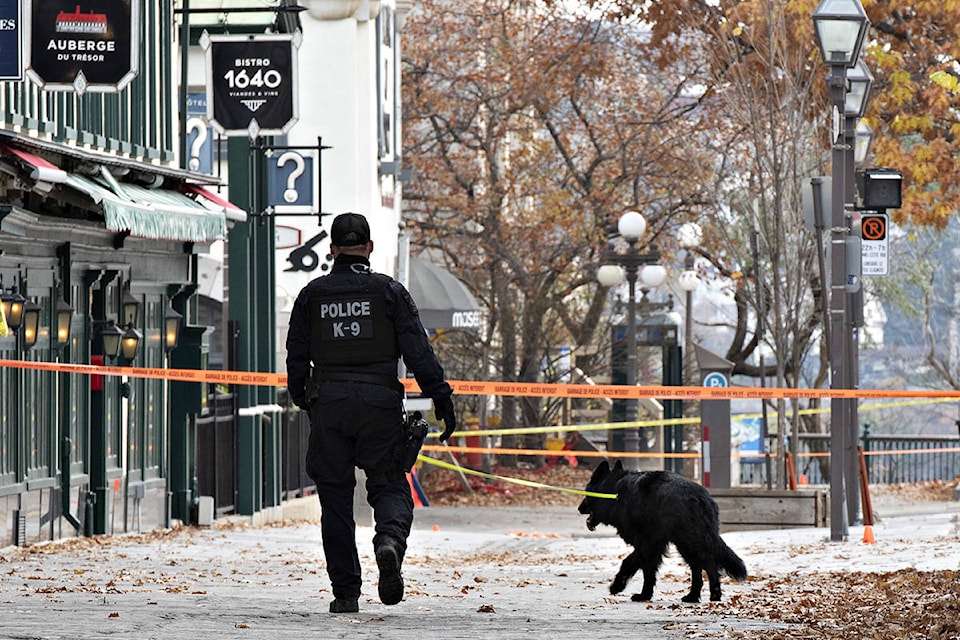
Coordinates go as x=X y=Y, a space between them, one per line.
x=390 y=382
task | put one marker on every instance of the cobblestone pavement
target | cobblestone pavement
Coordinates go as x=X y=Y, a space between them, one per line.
x=470 y=573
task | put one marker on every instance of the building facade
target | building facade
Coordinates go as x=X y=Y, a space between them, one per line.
x=105 y=210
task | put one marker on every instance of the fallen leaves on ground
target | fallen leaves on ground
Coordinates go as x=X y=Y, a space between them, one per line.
x=837 y=606
x=931 y=490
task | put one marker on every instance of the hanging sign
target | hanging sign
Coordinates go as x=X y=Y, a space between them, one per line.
x=293 y=181
x=82 y=45
x=200 y=140
x=11 y=53
x=252 y=83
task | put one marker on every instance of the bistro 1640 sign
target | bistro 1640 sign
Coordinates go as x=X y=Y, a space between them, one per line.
x=252 y=83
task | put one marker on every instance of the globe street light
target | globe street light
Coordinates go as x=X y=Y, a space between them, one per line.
x=631 y=227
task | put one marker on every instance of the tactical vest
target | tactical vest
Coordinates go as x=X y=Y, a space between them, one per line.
x=348 y=321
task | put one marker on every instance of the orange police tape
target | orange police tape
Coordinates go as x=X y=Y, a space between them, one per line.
x=251 y=378
x=254 y=378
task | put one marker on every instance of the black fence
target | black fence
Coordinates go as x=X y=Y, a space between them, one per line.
x=217 y=451
x=295 y=435
x=216 y=461
x=889 y=459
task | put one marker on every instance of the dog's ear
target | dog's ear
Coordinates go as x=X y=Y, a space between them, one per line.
x=618 y=466
x=603 y=468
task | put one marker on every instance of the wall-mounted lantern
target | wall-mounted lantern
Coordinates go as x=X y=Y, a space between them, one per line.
x=31 y=324
x=64 y=317
x=171 y=328
x=130 y=344
x=111 y=335
x=12 y=307
x=131 y=308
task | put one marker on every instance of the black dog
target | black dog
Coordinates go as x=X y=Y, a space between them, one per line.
x=653 y=509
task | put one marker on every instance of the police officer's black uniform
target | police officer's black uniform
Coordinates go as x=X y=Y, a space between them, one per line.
x=347 y=332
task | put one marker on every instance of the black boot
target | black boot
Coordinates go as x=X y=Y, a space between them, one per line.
x=342 y=605
x=389 y=559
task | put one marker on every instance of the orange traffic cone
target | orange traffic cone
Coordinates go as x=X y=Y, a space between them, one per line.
x=868 y=535
x=416 y=491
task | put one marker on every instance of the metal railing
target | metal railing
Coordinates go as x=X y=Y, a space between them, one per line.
x=890 y=459
x=217 y=448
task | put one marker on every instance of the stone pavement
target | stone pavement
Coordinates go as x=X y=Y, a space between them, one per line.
x=470 y=572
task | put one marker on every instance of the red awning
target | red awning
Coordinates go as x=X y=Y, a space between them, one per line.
x=42 y=171
x=232 y=211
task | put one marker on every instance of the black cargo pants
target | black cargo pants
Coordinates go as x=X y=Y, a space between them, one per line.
x=357 y=424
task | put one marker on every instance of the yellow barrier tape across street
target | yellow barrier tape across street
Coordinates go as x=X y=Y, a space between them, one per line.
x=578 y=453
x=520 y=481
x=594 y=426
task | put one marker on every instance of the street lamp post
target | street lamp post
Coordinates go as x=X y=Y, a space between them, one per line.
x=840 y=26
x=631 y=227
x=690 y=236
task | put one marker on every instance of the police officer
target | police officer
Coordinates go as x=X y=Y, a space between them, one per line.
x=348 y=330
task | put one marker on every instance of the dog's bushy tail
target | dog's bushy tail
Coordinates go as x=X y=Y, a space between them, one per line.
x=731 y=563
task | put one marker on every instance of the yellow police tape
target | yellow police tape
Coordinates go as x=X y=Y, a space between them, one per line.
x=520 y=481
x=561 y=452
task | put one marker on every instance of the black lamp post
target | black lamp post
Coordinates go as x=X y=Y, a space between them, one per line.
x=631 y=227
x=690 y=236
x=840 y=26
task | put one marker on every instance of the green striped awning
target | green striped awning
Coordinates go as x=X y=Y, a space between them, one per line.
x=158 y=214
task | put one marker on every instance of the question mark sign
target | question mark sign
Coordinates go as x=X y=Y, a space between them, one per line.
x=291 y=195
x=198 y=125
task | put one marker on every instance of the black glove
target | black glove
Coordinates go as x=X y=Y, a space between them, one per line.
x=443 y=410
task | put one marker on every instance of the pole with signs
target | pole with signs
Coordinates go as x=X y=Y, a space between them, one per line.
x=252 y=91
x=715 y=371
